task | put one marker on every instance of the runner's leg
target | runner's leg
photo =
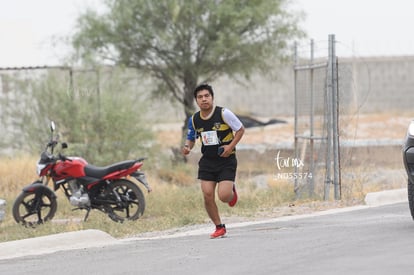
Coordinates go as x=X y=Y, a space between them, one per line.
x=208 y=188
x=225 y=190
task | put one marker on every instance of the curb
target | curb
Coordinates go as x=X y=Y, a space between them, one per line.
x=97 y=238
x=56 y=242
x=386 y=197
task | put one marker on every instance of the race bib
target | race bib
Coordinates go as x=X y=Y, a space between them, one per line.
x=209 y=138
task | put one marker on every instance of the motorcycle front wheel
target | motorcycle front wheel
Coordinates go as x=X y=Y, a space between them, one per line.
x=31 y=209
x=128 y=201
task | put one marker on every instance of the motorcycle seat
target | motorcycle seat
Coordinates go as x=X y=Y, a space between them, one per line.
x=99 y=172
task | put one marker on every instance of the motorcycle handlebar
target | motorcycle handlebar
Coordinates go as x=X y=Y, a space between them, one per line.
x=63 y=157
x=52 y=143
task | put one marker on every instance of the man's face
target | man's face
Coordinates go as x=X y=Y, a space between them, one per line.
x=204 y=100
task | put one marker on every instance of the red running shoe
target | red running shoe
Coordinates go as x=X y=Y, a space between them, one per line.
x=234 y=199
x=220 y=231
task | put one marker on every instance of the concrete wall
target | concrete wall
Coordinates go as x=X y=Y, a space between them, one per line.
x=366 y=85
x=378 y=84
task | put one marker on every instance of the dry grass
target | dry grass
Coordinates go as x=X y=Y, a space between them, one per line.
x=169 y=205
x=177 y=201
x=381 y=126
x=16 y=173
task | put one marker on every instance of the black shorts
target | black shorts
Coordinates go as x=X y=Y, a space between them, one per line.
x=217 y=169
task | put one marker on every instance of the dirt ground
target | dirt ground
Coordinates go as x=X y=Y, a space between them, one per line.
x=386 y=126
x=375 y=166
x=371 y=142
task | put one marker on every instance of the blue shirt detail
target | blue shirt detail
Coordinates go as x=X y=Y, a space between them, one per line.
x=191 y=133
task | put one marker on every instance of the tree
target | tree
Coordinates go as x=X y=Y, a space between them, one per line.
x=182 y=43
x=97 y=112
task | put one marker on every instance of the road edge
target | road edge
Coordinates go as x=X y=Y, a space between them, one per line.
x=96 y=238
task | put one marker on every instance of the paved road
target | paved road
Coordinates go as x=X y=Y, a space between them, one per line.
x=369 y=240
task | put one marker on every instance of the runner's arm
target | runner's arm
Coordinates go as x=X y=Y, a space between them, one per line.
x=235 y=124
x=191 y=136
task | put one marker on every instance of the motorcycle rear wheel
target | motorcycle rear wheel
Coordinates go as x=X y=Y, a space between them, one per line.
x=132 y=204
x=31 y=209
x=410 y=190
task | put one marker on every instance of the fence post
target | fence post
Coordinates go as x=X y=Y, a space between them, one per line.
x=335 y=111
x=329 y=122
x=316 y=121
x=332 y=124
x=312 y=121
x=295 y=88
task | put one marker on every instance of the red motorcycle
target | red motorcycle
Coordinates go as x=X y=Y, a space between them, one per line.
x=87 y=187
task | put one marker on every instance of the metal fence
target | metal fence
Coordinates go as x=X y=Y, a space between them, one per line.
x=316 y=124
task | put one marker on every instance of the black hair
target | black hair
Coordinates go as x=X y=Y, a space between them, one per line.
x=203 y=87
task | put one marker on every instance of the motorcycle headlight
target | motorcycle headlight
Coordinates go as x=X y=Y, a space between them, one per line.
x=40 y=167
x=411 y=128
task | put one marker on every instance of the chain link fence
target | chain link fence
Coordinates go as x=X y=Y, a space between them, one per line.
x=316 y=123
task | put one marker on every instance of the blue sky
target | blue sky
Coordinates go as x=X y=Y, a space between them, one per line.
x=362 y=27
